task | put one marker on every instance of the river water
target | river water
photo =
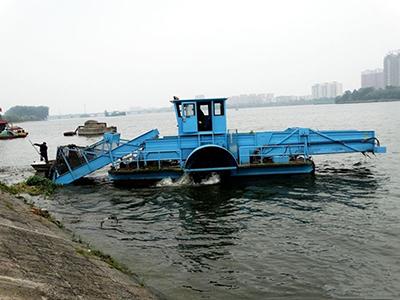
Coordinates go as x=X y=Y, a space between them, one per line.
x=335 y=235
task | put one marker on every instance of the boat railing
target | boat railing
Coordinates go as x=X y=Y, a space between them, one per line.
x=251 y=153
x=156 y=155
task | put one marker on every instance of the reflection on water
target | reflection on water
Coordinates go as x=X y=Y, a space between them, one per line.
x=332 y=235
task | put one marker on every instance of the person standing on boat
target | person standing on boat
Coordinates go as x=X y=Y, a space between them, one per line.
x=43 y=152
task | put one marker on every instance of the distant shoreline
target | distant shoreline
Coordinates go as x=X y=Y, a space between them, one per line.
x=313 y=103
x=369 y=101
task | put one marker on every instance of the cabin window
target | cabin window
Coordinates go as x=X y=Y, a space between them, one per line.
x=218 y=108
x=189 y=110
x=205 y=109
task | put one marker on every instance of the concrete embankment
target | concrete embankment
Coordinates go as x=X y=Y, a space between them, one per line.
x=39 y=260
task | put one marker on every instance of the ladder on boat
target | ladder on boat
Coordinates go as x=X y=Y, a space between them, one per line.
x=74 y=162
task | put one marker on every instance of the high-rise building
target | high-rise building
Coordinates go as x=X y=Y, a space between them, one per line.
x=326 y=90
x=391 y=71
x=372 y=78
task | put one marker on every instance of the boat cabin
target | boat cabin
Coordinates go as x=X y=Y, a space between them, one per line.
x=200 y=116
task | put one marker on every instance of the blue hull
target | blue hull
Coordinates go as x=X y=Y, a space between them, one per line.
x=144 y=176
x=275 y=169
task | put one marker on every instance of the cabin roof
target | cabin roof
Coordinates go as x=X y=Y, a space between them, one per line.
x=198 y=100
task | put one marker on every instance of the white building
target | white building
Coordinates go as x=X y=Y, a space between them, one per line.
x=391 y=72
x=326 y=90
x=372 y=78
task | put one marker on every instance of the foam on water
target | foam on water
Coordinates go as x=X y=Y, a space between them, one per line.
x=186 y=180
x=213 y=179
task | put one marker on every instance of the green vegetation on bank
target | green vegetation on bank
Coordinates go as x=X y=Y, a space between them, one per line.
x=104 y=257
x=34 y=185
x=26 y=113
x=369 y=94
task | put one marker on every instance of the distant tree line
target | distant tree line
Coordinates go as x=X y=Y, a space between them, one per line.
x=26 y=113
x=369 y=94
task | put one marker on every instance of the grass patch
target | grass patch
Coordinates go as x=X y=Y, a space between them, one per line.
x=7 y=189
x=104 y=257
x=42 y=184
x=34 y=186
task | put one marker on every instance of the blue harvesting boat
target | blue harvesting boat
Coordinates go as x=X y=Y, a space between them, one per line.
x=204 y=145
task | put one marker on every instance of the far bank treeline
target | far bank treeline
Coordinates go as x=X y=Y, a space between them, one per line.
x=26 y=113
x=370 y=94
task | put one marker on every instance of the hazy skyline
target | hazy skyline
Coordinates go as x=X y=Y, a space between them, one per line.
x=121 y=54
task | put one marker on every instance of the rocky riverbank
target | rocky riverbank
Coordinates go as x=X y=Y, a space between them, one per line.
x=39 y=260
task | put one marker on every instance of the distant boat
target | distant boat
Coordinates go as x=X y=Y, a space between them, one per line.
x=8 y=132
x=114 y=113
x=91 y=128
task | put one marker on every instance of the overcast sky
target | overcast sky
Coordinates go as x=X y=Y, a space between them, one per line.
x=121 y=54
